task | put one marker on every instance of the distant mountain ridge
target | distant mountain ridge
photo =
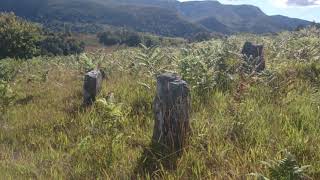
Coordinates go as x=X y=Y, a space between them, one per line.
x=163 y=17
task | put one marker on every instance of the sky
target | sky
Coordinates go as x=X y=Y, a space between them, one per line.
x=303 y=9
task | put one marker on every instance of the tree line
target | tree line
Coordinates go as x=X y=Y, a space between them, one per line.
x=122 y=36
x=22 y=39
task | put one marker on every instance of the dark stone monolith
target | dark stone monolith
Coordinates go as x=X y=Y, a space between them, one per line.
x=255 y=54
x=171 y=108
x=92 y=86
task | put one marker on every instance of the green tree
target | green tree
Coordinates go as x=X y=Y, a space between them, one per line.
x=18 y=38
x=58 y=44
x=133 y=40
x=109 y=38
x=123 y=36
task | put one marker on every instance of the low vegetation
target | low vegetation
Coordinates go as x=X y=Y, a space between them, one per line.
x=244 y=124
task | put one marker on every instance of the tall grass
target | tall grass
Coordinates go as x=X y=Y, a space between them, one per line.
x=45 y=133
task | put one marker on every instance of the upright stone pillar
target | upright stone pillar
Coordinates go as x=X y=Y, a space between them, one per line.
x=91 y=87
x=171 y=108
x=255 y=53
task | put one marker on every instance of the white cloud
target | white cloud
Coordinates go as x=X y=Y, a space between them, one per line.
x=302 y=3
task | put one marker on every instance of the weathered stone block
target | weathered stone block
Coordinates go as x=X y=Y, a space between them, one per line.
x=171 y=108
x=255 y=53
x=92 y=86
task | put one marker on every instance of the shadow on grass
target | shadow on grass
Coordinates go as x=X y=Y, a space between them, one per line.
x=154 y=160
x=25 y=101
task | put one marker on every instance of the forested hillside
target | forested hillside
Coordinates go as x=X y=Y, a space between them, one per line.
x=168 y=18
x=146 y=19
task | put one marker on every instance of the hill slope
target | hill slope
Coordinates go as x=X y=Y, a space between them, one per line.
x=138 y=17
x=236 y=18
x=163 y=17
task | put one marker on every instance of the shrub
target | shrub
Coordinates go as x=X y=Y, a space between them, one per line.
x=18 y=37
x=109 y=38
x=57 y=44
x=133 y=40
x=8 y=69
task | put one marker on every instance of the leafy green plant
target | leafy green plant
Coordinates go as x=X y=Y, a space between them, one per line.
x=208 y=67
x=92 y=60
x=108 y=110
x=151 y=61
x=86 y=62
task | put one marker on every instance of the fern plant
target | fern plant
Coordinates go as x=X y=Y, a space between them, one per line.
x=284 y=169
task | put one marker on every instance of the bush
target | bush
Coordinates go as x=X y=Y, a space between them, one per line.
x=18 y=37
x=8 y=69
x=109 y=39
x=22 y=39
x=133 y=40
x=57 y=44
x=126 y=37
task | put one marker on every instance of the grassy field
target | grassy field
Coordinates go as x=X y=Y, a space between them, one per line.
x=244 y=125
